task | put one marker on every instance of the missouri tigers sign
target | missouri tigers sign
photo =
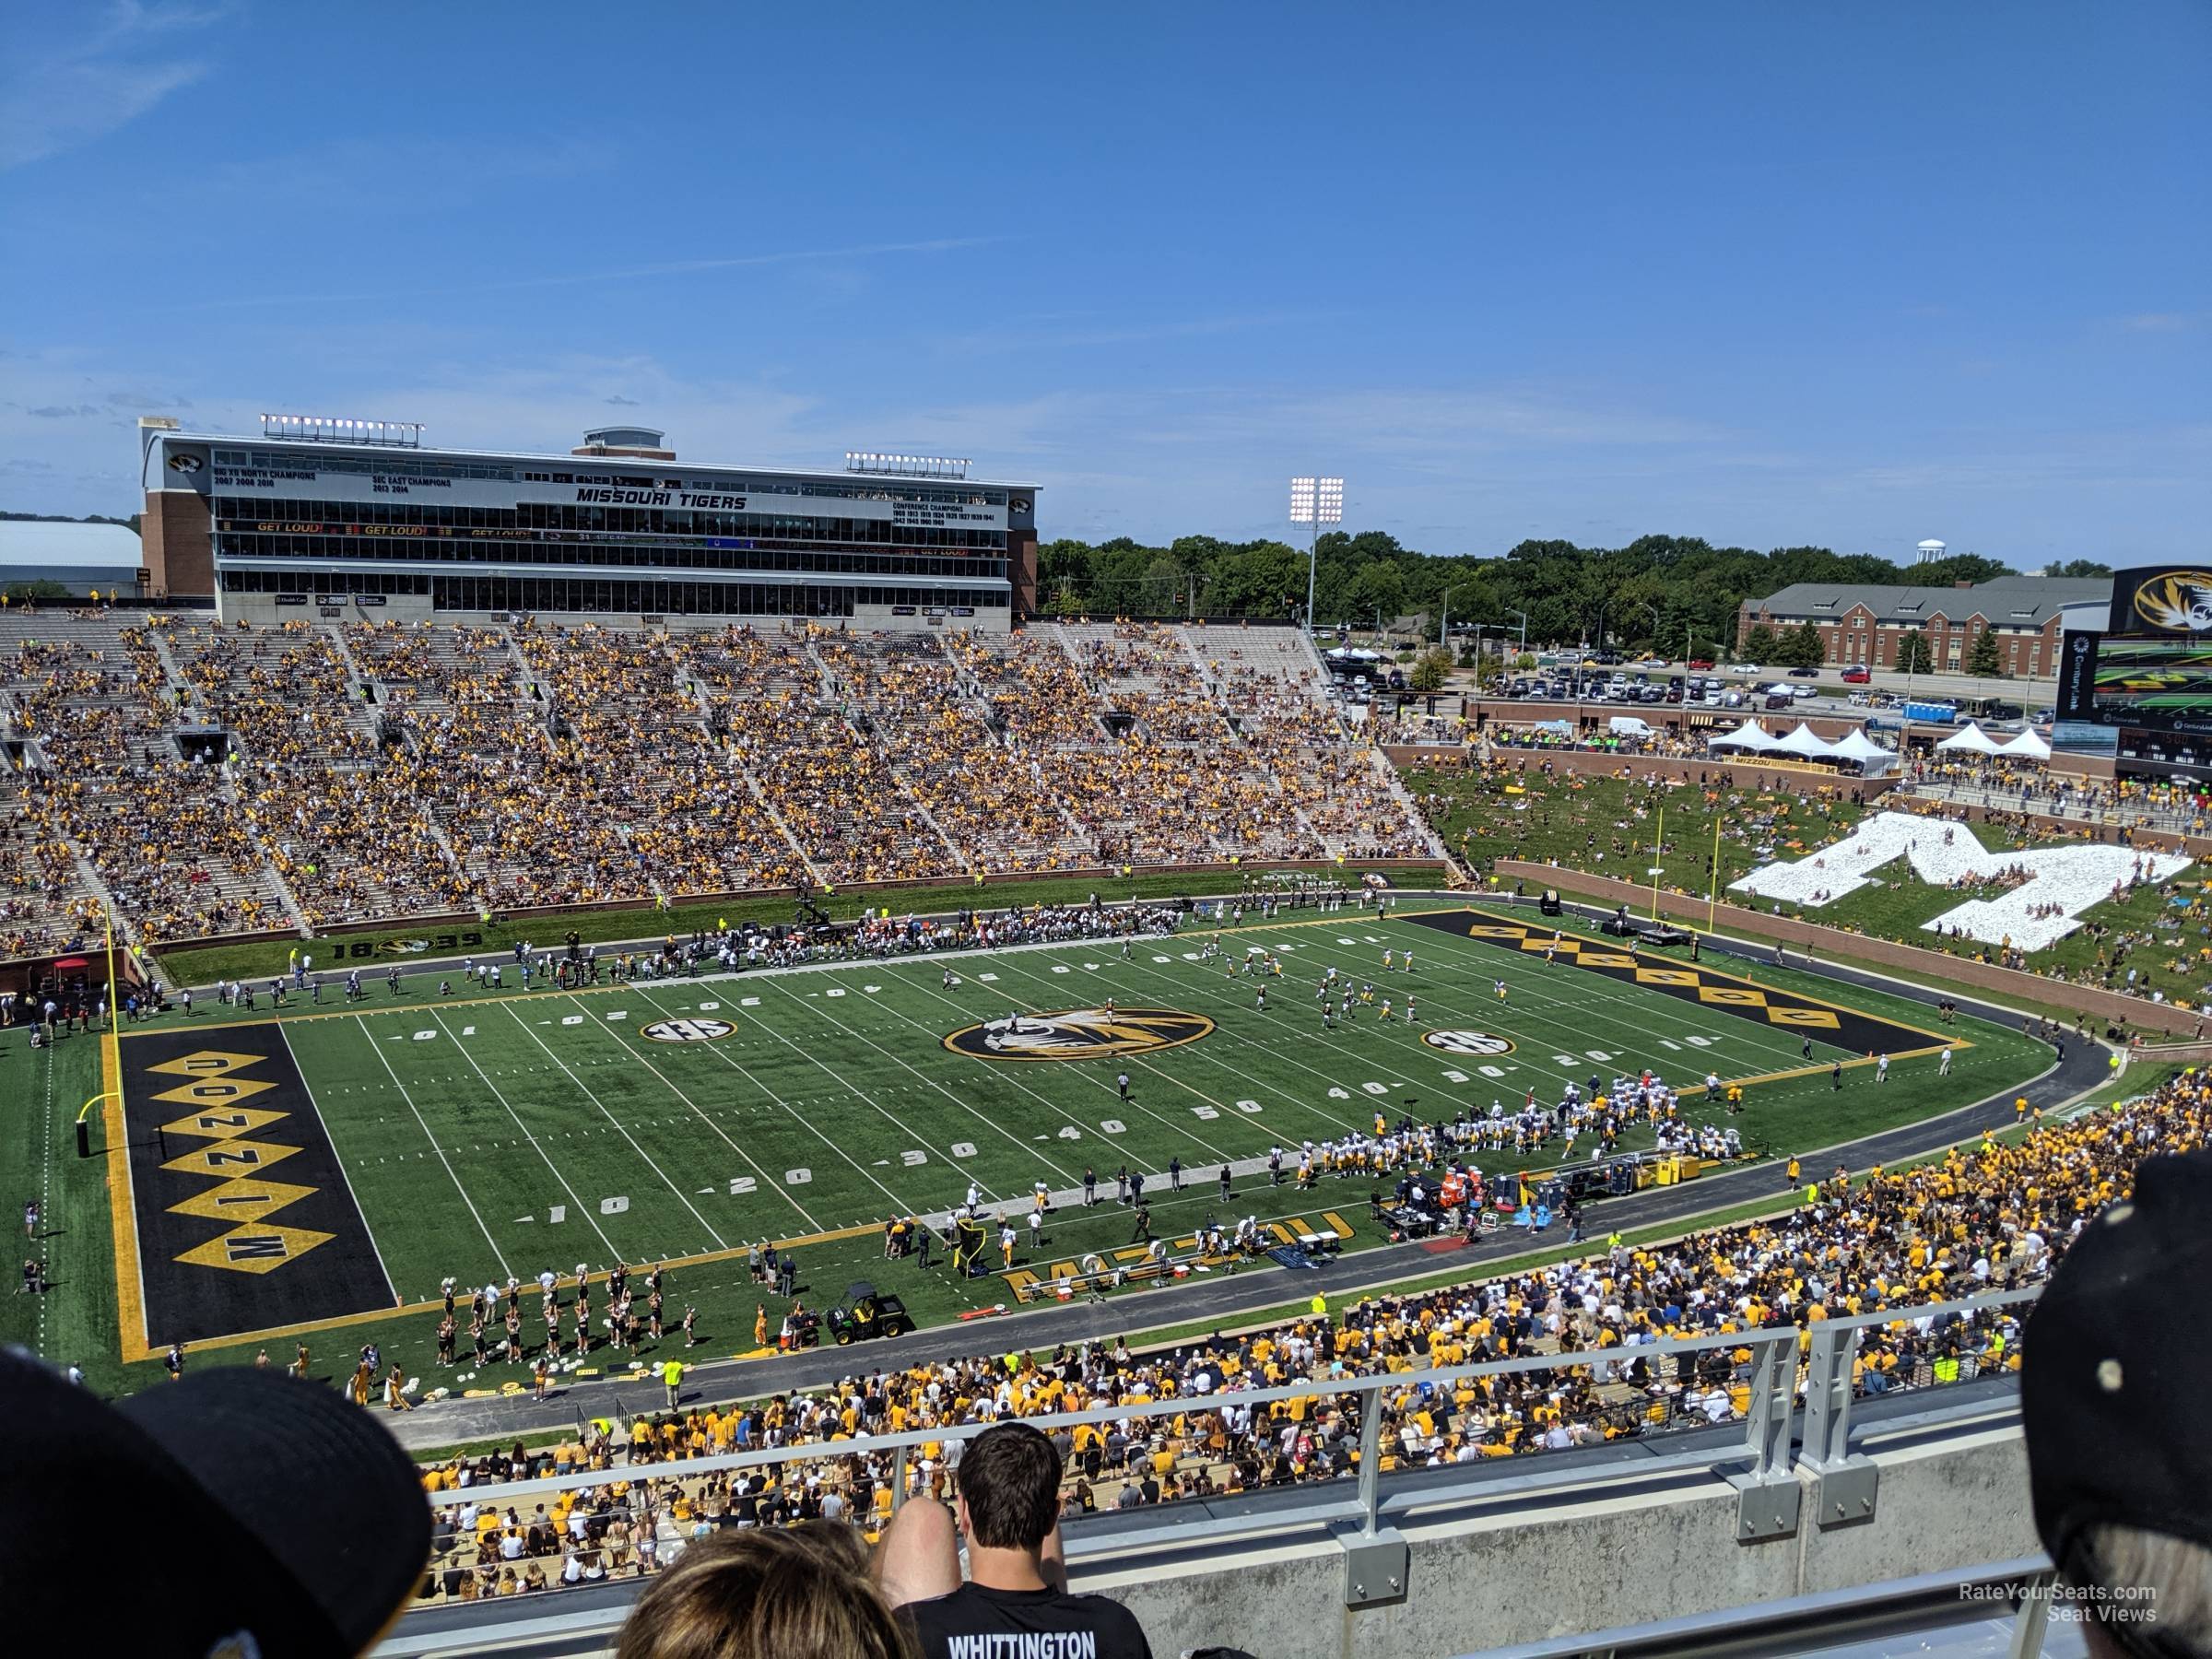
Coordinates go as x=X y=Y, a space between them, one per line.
x=1079 y=1034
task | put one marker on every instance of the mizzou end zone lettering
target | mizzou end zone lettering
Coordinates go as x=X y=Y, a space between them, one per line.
x=1829 y=1023
x=244 y=1219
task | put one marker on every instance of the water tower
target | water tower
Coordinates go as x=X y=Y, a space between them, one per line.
x=1931 y=550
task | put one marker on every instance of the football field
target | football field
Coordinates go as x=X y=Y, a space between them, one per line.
x=345 y=1160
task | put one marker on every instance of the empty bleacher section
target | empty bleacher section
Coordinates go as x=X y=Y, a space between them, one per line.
x=217 y=780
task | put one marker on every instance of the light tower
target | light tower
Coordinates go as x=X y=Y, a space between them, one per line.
x=1315 y=503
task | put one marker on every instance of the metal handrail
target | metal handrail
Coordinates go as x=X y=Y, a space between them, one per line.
x=1765 y=1441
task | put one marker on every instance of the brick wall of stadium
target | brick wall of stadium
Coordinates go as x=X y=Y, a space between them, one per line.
x=177 y=535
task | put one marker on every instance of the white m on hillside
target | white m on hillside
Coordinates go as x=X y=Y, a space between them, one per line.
x=2064 y=881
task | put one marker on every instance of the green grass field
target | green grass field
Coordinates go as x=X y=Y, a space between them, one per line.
x=518 y=1131
x=1609 y=827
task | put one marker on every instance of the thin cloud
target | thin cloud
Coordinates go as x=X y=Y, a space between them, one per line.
x=58 y=100
x=676 y=267
x=2165 y=322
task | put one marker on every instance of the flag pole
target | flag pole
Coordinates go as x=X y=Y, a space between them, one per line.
x=1658 y=840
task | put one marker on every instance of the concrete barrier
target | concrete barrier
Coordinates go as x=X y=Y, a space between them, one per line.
x=1584 y=1560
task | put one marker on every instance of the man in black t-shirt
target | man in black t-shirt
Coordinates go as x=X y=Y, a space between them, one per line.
x=1008 y=1503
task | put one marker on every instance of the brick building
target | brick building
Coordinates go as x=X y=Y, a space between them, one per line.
x=1865 y=622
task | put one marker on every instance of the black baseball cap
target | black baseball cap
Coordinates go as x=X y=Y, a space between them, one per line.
x=236 y=1514
x=2117 y=1351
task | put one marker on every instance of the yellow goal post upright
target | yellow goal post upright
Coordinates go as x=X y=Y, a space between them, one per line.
x=111 y=1047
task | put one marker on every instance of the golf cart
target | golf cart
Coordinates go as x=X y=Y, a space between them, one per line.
x=866 y=1312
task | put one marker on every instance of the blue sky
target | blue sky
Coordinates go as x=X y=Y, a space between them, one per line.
x=1769 y=275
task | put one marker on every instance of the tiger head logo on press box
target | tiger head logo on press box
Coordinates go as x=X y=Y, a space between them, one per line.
x=1079 y=1034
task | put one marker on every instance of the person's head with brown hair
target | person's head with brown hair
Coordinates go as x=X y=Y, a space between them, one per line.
x=1009 y=1487
x=767 y=1592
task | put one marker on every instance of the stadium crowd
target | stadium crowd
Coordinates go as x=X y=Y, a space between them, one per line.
x=225 y=779
x=1998 y=1214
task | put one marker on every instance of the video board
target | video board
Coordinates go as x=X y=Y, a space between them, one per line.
x=2158 y=682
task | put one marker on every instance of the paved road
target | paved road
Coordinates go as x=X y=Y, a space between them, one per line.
x=1223 y=1299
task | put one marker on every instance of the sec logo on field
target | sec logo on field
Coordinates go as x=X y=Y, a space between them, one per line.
x=1467 y=1043
x=687 y=1030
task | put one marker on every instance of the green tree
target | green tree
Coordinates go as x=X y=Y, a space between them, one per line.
x=1377 y=590
x=1430 y=670
x=2079 y=567
x=1914 y=656
x=1801 y=647
x=1762 y=645
x=1982 y=658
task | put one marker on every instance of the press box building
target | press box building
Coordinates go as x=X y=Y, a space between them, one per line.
x=358 y=518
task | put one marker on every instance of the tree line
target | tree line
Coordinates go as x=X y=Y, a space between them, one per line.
x=1678 y=596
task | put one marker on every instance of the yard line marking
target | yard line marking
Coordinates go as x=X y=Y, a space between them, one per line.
x=583 y=1208
x=339 y=1159
x=903 y=1206
x=1169 y=1123
x=932 y=1083
x=409 y=1098
x=698 y=1112
x=1290 y=1058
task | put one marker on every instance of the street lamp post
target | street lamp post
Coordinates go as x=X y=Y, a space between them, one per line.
x=1315 y=502
x=1524 y=615
x=1443 y=636
x=1654 y=610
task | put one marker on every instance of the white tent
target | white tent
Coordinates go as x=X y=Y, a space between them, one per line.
x=1750 y=735
x=1972 y=741
x=1857 y=746
x=1804 y=742
x=2027 y=746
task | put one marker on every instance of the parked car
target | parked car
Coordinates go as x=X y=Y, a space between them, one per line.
x=1858 y=674
x=1780 y=700
x=1518 y=688
x=1805 y=673
x=1732 y=699
x=1805 y=690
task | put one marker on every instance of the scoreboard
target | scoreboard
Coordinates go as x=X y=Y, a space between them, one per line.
x=2155 y=682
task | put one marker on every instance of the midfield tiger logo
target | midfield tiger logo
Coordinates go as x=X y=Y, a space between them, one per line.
x=1079 y=1034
